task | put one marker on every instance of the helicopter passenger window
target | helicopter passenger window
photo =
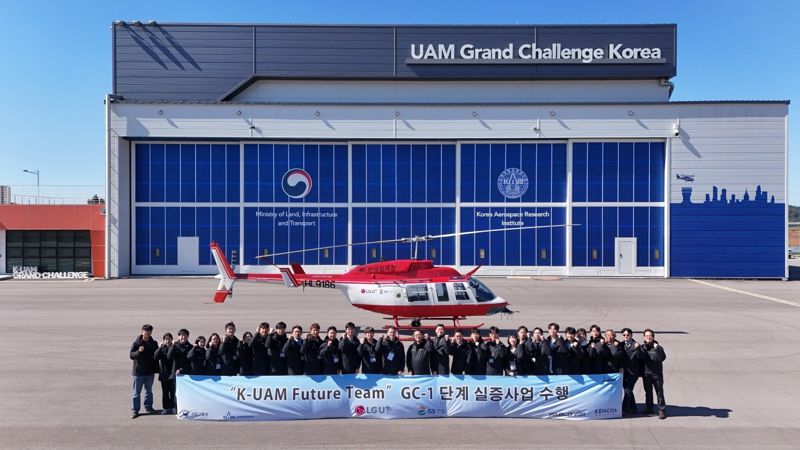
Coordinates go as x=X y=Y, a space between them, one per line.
x=417 y=292
x=441 y=292
x=461 y=292
x=482 y=293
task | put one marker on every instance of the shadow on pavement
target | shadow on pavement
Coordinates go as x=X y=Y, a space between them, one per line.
x=698 y=411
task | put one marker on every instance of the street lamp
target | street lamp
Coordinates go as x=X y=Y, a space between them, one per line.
x=35 y=172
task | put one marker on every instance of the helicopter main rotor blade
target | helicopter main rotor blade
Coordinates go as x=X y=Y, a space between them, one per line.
x=388 y=241
x=413 y=239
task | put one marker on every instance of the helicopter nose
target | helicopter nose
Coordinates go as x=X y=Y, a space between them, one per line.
x=500 y=307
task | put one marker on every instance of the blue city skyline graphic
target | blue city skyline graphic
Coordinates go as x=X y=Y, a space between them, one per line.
x=727 y=235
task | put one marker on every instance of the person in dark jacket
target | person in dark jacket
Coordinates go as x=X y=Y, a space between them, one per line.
x=165 y=374
x=179 y=354
x=348 y=347
x=440 y=360
x=574 y=355
x=555 y=349
x=227 y=351
x=539 y=354
x=330 y=354
x=583 y=343
x=370 y=352
x=275 y=342
x=612 y=353
x=213 y=358
x=476 y=360
x=653 y=376
x=260 y=351
x=310 y=350
x=144 y=368
x=524 y=357
x=393 y=356
x=293 y=349
x=197 y=357
x=595 y=354
x=516 y=357
x=244 y=354
x=495 y=353
x=459 y=350
x=632 y=363
x=418 y=355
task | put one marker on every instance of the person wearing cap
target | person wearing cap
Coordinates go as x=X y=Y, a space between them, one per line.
x=144 y=368
x=275 y=342
x=370 y=352
x=260 y=351
x=348 y=347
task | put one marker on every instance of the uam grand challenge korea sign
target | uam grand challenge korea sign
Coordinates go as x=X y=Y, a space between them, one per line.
x=266 y=398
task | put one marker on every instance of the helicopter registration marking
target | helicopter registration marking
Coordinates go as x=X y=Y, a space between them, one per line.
x=326 y=284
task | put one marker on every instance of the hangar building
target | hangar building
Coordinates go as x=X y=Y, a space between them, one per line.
x=270 y=138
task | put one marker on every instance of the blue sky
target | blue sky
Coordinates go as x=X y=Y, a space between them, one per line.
x=57 y=61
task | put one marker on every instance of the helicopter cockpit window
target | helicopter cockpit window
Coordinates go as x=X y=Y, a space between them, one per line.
x=482 y=292
x=460 y=292
x=417 y=292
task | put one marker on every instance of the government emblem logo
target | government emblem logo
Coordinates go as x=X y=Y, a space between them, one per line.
x=296 y=183
x=512 y=183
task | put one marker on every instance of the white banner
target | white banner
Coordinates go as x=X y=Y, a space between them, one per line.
x=405 y=397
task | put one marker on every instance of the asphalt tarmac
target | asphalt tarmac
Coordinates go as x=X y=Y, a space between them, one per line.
x=732 y=375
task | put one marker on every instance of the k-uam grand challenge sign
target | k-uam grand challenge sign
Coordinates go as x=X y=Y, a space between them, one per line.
x=265 y=398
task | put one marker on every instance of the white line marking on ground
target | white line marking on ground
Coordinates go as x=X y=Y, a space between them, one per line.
x=752 y=294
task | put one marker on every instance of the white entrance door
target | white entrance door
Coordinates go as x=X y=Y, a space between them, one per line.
x=626 y=255
x=188 y=253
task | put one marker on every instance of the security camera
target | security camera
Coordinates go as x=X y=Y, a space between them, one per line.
x=676 y=131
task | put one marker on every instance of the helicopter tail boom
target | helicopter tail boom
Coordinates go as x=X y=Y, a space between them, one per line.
x=226 y=275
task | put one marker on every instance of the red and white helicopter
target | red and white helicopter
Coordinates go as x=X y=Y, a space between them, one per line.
x=402 y=288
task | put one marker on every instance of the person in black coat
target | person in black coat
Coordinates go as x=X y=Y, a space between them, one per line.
x=348 y=347
x=244 y=354
x=227 y=351
x=632 y=364
x=144 y=368
x=260 y=351
x=293 y=349
x=213 y=358
x=612 y=353
x=516 y=357
x=330 y=354
x=418 y=355
x=370 y=352
x=310 y=350
x=496 y=353
x=393 y=356
x=165 y=374
x=524 y=356
x=179 y=354
x=584 y=344
x=275 y=342
x=574 y=355
x=459 y=350
x=555 y=349
x=653 y=376
x=197 y=357
x=440 y=359
x=476 y=360
x=595 y=354
x=539 y=353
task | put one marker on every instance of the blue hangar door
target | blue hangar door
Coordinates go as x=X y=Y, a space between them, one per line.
x=265 y=198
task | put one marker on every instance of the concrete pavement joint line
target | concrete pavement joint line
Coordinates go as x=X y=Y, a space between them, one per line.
x=752 y=294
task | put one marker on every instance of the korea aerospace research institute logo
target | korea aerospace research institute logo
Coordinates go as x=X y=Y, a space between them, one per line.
x=512 y=183
x=296 y=183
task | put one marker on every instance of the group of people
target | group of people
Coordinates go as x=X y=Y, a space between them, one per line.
x=273 y=352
